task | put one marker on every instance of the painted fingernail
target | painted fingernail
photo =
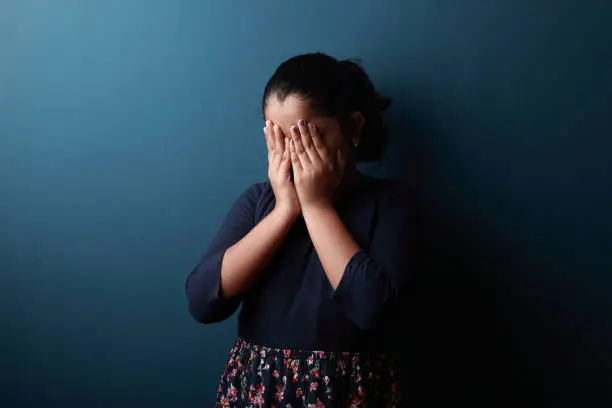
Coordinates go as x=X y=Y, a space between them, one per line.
x=293 y=129
x=301 y=122
x=291 y=141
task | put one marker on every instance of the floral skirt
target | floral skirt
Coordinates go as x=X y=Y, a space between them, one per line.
x=258 y=376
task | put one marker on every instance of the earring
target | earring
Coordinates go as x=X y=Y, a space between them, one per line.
x=356 y=143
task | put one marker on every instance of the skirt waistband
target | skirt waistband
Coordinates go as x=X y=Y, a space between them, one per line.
x=242 y=344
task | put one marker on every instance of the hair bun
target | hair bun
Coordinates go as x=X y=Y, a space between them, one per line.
x=360 y=80
x=382 y=102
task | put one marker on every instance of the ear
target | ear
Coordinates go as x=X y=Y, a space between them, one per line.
x=358 y=121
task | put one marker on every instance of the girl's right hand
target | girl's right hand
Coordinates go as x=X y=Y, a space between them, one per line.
x=279 y=170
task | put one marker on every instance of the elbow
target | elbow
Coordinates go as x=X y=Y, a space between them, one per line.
x=199 y=313
x=369 y=316
x=202 y=290
x=365 y=314
x=368 y=308
x=203 y=314
x=199 y=317
x=203 y=310
x=207 y=311
x=366 y=291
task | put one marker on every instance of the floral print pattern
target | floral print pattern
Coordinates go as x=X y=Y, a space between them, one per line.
x=258 y=376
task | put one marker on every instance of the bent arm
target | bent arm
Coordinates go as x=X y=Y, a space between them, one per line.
x=239 y=252
x=366 y=282
x=249 y=256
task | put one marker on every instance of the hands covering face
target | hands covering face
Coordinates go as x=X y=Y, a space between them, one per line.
x=317 y=170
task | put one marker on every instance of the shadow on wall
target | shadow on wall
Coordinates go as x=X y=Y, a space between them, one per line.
x=477 y=337
x=453 y=351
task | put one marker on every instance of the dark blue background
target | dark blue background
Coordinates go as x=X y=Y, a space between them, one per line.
x=128 y=127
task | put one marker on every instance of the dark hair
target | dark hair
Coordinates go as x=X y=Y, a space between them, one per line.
x=335 y=89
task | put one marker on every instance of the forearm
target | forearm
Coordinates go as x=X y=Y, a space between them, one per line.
x=333 y=242
x=248 y=257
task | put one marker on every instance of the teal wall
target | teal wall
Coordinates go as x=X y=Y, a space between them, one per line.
x=128 y=127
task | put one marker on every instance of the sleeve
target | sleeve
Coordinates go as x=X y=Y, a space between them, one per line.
x=203 y=286
x=374 y=280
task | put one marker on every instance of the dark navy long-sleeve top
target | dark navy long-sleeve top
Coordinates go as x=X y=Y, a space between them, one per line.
x=291 y=304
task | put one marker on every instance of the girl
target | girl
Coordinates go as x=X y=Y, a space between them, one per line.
x=318 y=256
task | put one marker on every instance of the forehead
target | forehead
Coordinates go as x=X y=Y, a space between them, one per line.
x=287 y=112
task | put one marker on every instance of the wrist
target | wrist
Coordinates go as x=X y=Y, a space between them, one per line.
x=286 y=213
x=317 y=207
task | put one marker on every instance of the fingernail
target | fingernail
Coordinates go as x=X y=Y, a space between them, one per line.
x=293 y=129
x=291 y=141
x=301 y=122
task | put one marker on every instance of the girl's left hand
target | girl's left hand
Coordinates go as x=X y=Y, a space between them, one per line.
x=317 y=172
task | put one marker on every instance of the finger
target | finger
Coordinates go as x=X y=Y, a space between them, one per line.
x=306 y=137
x=298 y=146
x=267 y=134
x=317 y=141
x=295 y=160
x=278 y=140
x=305 y=134
x=286 y=163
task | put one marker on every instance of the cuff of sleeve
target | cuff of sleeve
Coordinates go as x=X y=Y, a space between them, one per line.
x=206 y=303
x=214 y=279
x=213 y=282
x=349 y=274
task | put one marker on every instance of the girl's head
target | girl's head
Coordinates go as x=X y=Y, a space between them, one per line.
x=336 y=96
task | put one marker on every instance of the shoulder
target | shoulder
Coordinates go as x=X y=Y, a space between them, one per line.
x=258 y=198
x=255 y=193
x=257 y=190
